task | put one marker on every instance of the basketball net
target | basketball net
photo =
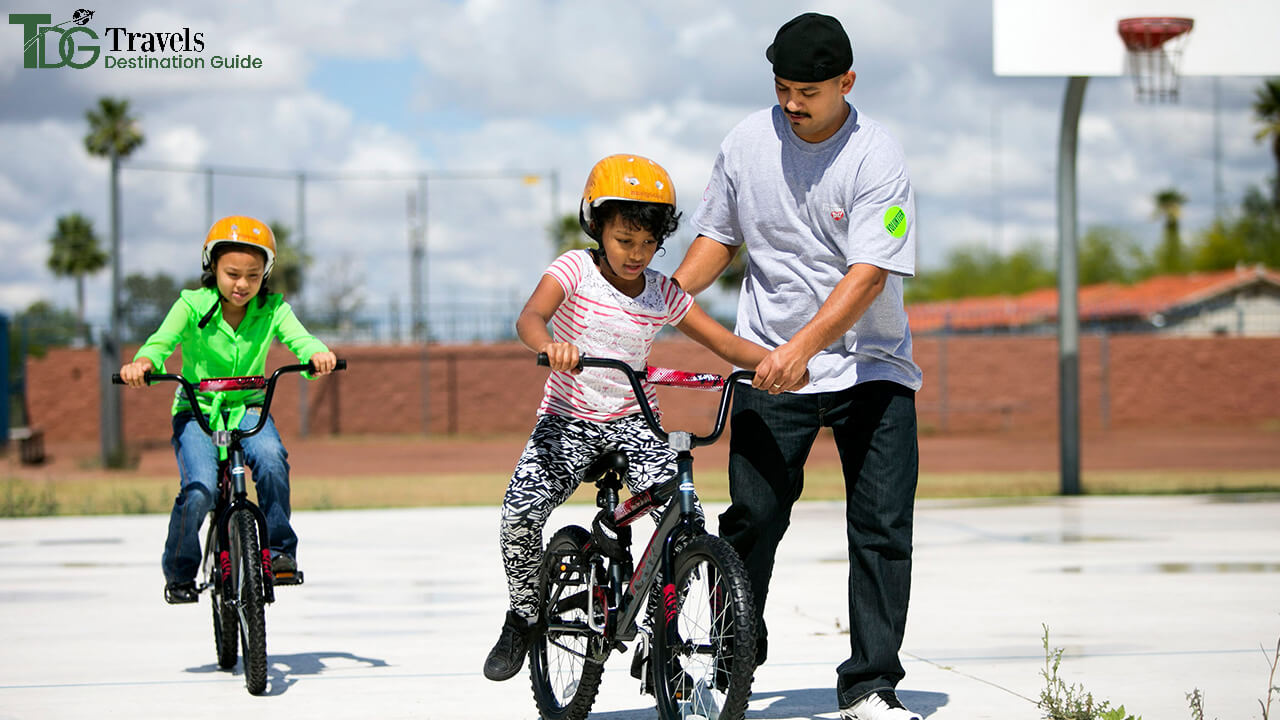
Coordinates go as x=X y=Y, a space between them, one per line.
x=1154 y=46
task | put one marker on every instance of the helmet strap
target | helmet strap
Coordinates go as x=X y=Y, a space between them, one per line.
x=209 y=315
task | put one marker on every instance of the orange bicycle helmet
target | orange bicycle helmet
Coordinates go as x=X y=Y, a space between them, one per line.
x=624 y=177
x=240 y=230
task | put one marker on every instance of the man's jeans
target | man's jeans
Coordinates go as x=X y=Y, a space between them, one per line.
x=874 y=424
x=198 y=466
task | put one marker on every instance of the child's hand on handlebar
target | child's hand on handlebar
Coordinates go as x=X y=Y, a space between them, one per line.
x=324 y=362
x=132 y=373
x=563 y=356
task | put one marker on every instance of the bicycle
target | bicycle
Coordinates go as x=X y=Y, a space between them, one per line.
x=237 y=553
x=703 y=639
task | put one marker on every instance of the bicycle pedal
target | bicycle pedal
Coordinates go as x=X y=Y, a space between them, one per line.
x=294 y=578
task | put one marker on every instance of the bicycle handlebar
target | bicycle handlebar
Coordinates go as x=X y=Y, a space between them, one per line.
x=190 y=390
x=643 y=400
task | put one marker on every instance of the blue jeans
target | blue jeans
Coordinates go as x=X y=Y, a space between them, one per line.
x=198 y=466
x=874 y=425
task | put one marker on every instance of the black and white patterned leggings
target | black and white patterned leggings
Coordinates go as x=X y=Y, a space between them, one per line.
x=548 y=472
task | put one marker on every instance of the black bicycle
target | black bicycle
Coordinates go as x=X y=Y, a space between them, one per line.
x=237 y=551
x=697 y=647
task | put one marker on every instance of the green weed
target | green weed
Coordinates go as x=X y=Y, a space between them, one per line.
x=1060 y=701
x=20 y=499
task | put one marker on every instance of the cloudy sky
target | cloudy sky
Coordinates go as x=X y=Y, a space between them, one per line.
x=500 y=88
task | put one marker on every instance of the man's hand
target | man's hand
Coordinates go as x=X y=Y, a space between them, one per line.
x=782 y=370
x=562 y=356
x=132 y=373
x=324 y=362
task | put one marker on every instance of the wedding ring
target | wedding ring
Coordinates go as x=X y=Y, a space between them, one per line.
x=777 y=384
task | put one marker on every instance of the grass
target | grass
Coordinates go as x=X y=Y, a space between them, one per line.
x=99 y=494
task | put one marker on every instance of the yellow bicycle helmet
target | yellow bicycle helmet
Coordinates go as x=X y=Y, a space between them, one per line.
x=624 y=177
x=240 y=230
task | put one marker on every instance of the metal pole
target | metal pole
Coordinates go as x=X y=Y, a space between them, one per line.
x=110 y=414
x=6 y=388
x=1217 y=151
x=1068 y=283
x=423 y=302
x=208 y=197
x=415 y=265
x=304 y=424
x=1104 y=352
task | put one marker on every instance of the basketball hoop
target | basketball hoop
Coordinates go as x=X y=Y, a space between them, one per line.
x=1154 y=45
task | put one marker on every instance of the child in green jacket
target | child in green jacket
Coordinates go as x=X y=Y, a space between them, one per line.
x=225 y=329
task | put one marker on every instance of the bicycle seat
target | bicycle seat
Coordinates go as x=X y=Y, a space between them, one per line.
x=609 y=465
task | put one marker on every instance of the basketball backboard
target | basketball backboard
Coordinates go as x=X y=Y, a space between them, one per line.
x=1080 y=38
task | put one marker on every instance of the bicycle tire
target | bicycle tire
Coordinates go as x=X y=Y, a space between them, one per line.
x=246 y=576
x=710 y=673
x=564 y=675
x=226 y=623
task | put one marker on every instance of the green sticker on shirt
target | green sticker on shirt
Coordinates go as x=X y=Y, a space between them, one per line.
x=895 y=221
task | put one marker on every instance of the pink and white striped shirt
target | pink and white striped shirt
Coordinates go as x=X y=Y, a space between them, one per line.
x=604 y=322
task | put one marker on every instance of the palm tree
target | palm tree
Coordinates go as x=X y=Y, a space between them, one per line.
x=113 y=134
x=1169 y=204
x=75 y=253
x=1266 y=107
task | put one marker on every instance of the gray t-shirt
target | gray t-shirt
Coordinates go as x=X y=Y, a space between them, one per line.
x=807 y=212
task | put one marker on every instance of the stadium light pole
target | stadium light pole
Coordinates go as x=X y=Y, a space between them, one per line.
x=111 y=415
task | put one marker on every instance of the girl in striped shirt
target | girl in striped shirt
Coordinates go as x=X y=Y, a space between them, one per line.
x=604 y=302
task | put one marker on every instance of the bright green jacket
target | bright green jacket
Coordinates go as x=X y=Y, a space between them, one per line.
x=218 y=351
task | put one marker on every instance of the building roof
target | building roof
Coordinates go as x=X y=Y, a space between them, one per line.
x=1104 y=301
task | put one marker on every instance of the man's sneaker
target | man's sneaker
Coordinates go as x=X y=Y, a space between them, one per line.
x=878 y=705
x=181 y=593
x=284 y=570
x=507 y=656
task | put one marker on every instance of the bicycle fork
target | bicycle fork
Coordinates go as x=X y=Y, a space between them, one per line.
x=239 y=501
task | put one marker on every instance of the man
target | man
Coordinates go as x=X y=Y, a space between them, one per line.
x=818 y=192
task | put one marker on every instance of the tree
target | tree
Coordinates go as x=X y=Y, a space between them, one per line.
x=147 y=299
x=74 y=252
x=113 y=134
x=1169 y=204
x=566 y=234
x=291 y=261
x=1266 y=108
x=1110 y=255
x=1251 y=238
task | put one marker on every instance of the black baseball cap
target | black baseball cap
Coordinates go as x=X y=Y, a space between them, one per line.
x=810 y=48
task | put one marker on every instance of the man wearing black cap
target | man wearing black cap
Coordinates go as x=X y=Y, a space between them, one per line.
x=819 y=194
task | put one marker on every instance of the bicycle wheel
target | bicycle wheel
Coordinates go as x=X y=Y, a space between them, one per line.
x=246 y=576
x=708 y=674
x=566 y=659
x=226 y=624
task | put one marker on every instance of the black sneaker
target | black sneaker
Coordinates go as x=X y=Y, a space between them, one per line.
x=507 y=656
x=181 y=593
x=284 y=570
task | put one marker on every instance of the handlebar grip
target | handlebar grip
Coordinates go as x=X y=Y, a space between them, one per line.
x=117 y=380
x=545 y=361
x=311 y=367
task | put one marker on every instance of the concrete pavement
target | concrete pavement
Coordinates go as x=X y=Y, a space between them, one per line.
x=1151 y=597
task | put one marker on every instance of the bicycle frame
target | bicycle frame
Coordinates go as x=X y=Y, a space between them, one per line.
x=677 y=520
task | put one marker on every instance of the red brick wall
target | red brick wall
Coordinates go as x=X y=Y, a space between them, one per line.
x=990 y=383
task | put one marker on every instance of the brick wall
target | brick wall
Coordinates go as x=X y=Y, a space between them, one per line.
x=972 y=383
